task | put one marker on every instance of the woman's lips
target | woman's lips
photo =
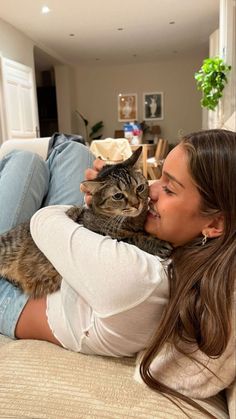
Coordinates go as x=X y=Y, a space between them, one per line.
x=152 y=211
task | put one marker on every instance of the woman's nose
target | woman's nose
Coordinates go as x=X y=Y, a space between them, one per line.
x=154 y=190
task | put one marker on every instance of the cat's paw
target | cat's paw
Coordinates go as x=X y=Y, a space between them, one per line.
x=164 y=250
x=74 y=212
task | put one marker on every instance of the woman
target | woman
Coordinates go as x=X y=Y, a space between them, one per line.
x=193 y=351
x=114 y=296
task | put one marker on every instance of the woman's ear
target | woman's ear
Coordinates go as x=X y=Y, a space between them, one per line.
x=215 y=227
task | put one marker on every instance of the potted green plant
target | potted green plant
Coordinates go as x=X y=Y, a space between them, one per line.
x=211 y=80
x=95 y=132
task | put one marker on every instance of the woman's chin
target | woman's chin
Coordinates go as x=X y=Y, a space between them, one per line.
x=151 y=225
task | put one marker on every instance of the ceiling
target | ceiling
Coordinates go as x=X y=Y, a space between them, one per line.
x=114 y=32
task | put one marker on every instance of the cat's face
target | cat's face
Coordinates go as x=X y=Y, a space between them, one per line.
x=120 y=198
x=120 y=190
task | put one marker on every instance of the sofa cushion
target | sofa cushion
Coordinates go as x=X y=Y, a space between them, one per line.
x=36 y=145
x=43 y=381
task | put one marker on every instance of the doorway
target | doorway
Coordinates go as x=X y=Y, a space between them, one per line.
x=46 y=93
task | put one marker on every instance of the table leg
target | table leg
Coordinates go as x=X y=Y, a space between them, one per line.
x=145 y=161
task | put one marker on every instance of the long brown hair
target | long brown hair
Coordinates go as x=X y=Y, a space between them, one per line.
x=202 y=277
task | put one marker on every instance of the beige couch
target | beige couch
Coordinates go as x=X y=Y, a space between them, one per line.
x=42 y=381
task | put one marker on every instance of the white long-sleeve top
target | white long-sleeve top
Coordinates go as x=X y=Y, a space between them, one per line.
x=112 y=294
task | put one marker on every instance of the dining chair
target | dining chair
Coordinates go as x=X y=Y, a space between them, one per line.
x=154 y=164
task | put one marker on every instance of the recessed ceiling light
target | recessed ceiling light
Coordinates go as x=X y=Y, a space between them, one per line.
x=45 y=10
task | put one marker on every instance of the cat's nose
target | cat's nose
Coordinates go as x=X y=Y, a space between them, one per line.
x=135 y=203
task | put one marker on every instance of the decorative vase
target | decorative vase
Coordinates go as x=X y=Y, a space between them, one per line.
x=153 y=107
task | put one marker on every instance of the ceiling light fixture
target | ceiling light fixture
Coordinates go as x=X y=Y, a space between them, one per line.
x=71 y=35
x=120 y=29
x=172 y=22
x=45 y=10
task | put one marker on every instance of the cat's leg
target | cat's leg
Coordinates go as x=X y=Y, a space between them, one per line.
x=75 y=213
x=67 y=164
x=151 y=245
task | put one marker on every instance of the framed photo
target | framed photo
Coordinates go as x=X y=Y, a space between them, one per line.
x=153 y=106
x=127 y=107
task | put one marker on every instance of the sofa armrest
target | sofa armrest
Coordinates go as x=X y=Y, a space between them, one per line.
x=36 y=145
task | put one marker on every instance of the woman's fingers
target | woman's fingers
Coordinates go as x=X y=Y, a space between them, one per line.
x=91 y=174
x=98 y=164
x=87 y=196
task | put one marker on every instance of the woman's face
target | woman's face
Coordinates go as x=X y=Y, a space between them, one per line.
x=174 y=213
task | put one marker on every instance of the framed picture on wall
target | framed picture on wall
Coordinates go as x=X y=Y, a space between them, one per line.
x=127 y=107
x=153 y=106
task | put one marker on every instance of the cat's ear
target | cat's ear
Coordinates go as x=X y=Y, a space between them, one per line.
x=132 y=160
x=92 y=186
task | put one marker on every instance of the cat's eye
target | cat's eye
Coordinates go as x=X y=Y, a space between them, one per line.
x=140 y=188
x=118 y=196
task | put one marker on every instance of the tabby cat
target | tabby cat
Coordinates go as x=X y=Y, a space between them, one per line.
x=118 y=209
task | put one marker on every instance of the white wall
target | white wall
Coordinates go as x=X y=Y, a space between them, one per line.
x=15 y=45
x=97 y=89
x=64 y=92
x=227 y=50
x=18 y=47
x=222 y=44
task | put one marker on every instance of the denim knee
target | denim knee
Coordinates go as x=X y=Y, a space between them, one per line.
x=24 y=180
x=67 y=164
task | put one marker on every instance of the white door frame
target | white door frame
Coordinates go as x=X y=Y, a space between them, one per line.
x=19 y=111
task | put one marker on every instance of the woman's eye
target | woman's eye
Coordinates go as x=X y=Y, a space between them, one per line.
x=140 y=188
x=167 y=190
x=118 y=196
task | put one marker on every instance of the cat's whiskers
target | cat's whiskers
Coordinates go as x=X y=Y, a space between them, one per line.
x=114 y=224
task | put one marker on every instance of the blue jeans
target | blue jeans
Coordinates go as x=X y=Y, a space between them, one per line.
x=28 y=183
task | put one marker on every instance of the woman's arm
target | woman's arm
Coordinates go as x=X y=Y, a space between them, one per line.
x=111 y=276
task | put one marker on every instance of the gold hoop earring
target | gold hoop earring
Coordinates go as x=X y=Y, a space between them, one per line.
x=204 y=240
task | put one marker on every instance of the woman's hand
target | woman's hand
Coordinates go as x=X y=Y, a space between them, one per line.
x=91 y=174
